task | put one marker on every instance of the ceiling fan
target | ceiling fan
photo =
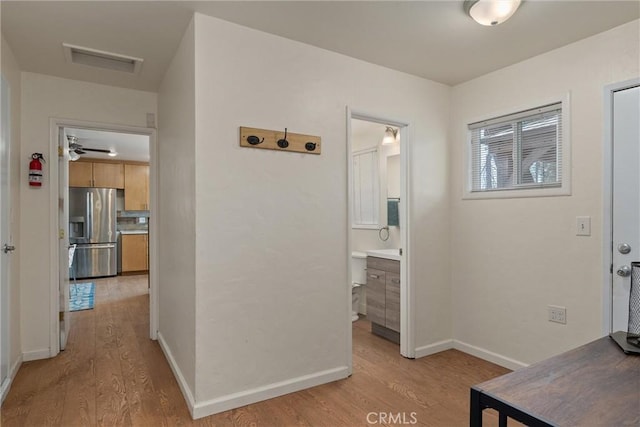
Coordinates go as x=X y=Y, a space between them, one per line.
x=76 y=149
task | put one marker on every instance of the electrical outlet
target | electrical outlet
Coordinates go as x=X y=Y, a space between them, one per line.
x=558 y=314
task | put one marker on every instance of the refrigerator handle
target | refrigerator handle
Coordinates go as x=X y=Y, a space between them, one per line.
x=90 y=215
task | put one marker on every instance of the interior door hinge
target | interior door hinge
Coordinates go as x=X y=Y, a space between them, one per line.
x=60 y=152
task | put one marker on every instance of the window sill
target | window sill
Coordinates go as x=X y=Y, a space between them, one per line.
x=517 y=193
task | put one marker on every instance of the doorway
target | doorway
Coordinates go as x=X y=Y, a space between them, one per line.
x=622 y=191
x=378 y=219
x=94 y=144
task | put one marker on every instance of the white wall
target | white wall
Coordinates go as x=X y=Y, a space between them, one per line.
x=271 y=252
x=45 y=97
x=514 y=257
x=11 y=73
x=176 y=230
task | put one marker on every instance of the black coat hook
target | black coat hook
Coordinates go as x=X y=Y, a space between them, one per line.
x=254 y=140
x=283 y=143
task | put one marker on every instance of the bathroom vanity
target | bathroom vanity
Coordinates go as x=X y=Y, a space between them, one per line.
x=383 y=293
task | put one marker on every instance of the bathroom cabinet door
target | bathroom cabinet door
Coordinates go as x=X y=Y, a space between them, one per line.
x=392 y=302
x=376 y=295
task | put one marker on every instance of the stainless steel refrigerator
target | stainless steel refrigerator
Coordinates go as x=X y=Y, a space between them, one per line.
x=92 y=226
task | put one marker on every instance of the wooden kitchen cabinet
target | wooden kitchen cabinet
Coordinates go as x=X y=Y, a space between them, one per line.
x=136 y=187
x=80 y=174
x=96 y=174
x=383 y=297
x=135 y=252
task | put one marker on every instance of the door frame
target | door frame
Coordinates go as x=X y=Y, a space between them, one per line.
x=5 y=204
x=54 y=125
x=407 y=318
x=607 y=198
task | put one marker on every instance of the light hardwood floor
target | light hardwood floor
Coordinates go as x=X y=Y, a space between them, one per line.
x=111 y=374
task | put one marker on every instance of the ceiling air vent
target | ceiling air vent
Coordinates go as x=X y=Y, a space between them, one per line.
x=98 y=58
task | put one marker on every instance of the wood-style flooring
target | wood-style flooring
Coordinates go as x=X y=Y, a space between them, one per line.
x=111 y=374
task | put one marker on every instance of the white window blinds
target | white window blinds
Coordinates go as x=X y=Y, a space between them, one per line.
x=366 y=193
x=517 y=151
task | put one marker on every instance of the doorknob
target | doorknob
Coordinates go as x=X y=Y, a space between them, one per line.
x=624 y=271
x=624 y=248
x=8 y=248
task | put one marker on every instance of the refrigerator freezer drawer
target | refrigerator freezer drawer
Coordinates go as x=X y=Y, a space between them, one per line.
x=95 y=260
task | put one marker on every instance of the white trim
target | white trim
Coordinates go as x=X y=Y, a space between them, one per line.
x=489 y=356
x=434 y=348
x=236 y=400
x=44 y=353
x=563 y=190
x=184 y=387
x=54 y=124
x=407 y=303
x=349 y=224
x=607 y=199
x=6 y=385
x=6 y=205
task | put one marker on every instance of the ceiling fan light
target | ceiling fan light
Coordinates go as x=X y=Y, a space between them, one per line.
x=112 y=153
x=73 y=156
x=491 y=12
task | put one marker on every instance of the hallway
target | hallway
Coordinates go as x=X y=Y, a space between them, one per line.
x=111 y=374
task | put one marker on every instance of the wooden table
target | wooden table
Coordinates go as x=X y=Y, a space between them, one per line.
x=593 y=385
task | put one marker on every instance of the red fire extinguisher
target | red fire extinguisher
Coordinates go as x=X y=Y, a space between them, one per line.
x=35 y=170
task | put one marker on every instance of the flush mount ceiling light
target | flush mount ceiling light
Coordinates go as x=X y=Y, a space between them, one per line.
x=390 y=135
x=101 y=59
x=491 y=12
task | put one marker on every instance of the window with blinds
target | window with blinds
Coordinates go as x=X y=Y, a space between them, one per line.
x=366 y=193
x=518 y=151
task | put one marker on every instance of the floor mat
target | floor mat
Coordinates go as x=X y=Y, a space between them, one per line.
x=81 y=296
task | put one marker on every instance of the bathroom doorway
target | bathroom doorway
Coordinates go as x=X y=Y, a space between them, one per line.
x=378 y=225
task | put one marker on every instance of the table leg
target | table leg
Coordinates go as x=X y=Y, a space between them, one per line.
x=475 y=414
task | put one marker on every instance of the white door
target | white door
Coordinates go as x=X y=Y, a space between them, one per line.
x=5 y=237
x=63 y=226
x=626 y=199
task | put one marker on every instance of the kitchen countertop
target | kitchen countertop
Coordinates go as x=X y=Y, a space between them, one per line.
x=393 y=254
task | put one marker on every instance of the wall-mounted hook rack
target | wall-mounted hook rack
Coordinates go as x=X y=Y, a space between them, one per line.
x=280 y=141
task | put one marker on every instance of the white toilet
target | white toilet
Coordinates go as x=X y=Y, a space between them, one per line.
x=359 y=278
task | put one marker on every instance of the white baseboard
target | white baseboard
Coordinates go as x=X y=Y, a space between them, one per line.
x=6 y=384
x=434 y=348
x=236 y=400
x=184 y=387
x=489 y=356
x=28 y=356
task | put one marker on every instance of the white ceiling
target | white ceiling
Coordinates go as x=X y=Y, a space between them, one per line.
x=430 y=39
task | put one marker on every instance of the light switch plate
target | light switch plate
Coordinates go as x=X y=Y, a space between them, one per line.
x=583 y=226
